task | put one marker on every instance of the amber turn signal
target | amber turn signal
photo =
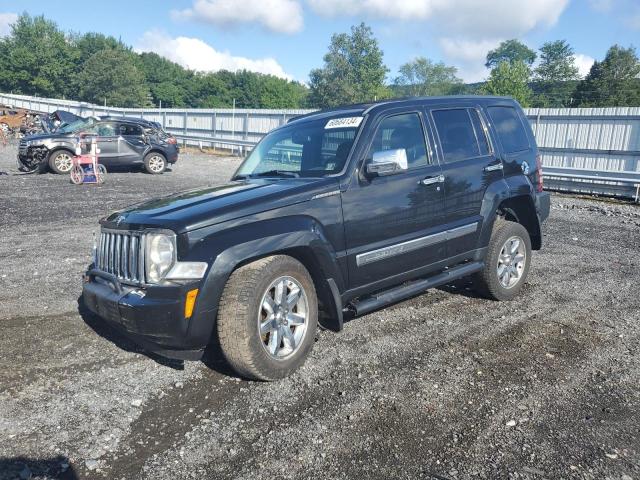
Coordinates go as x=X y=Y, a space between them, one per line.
x=189 y=302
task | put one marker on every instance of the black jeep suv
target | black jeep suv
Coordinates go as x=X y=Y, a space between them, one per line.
x=123 y=142
x=333 y=215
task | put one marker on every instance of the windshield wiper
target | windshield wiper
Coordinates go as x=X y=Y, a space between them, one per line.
x=276 y=173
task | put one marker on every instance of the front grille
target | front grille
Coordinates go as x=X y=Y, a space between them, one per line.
x=22 y=148
x=122 y=254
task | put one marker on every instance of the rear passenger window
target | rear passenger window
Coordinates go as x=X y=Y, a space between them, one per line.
x=458 y=135
x=509 y=128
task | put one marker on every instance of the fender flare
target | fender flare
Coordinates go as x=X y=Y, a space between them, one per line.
x=494 y=195
x=306 y=236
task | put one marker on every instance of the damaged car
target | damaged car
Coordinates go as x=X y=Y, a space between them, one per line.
x=11 y=119
x=122 y=142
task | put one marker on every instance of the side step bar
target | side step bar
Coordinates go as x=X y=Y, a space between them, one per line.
x=418 y=286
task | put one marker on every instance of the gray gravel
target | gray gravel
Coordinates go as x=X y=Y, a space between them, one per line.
x=445 y=385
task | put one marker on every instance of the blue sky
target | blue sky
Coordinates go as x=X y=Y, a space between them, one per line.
x=289 y=37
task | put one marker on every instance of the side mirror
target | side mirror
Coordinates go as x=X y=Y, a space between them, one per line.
x=388 y=162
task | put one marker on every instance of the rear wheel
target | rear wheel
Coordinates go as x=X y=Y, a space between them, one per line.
x=61 y=162
x=507 y=262
x=155 y=163
x=268 y=318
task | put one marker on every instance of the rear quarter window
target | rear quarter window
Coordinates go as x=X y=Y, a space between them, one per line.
x=509 y=128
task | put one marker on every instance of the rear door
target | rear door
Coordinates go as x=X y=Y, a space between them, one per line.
x=469 y=165
x=393 y=223
x=131 y=143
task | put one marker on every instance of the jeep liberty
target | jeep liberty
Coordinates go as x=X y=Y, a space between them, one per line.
x=333 y=215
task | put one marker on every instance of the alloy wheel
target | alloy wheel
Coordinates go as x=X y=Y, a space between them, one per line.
x=511 y=262
x=283 y=317
x=156 y=164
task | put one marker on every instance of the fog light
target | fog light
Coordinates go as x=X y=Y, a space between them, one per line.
x=190 y=302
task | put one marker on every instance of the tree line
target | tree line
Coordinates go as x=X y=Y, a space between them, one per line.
x=38 y=58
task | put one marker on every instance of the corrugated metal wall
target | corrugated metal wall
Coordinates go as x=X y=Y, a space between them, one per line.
x=600 y=141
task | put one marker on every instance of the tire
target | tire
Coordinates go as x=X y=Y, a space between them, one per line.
x=60 y=162
x=505 y=272
x=155 y=163
x=254 y=342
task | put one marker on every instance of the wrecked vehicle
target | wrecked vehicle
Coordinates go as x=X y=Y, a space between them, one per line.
x=11 y=119
x=123 y=142
x=58 y=119
x=334 y=215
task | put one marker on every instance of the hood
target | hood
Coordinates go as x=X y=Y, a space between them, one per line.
x=193 y=209
x=43 y=137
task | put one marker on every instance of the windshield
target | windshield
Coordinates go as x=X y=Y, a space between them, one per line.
x=306 y=149
x=75 y=126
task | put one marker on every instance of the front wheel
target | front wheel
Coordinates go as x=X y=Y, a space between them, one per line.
x=155 y=163
x=507 y=262
x=61 y=162
x=268 y=318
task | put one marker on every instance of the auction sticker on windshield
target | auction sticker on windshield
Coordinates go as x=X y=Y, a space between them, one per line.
x=346 y=122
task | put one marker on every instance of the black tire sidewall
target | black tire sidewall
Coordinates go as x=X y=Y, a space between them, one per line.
x=281 y=368
x=505 y=230
x=146 y=163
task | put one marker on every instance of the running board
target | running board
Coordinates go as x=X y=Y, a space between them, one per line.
x=405 y=291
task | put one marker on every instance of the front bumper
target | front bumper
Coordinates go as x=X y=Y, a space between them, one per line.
x=151 y=317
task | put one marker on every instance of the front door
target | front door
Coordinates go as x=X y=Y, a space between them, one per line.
x=469 y=165
x=107 y=142
x=392 y=222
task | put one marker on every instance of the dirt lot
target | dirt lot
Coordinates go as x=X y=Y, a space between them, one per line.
x=446 y=385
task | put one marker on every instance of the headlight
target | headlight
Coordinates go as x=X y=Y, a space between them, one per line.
x=160 y=256
x=161 y=261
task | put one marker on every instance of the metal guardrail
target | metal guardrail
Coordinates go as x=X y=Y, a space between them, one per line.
x=578 y=180
x=582 y=146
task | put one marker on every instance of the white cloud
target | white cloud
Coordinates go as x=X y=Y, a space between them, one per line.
x=466 y=29
x=195 y=54
x=282 y=16
x=584 y=63
x=469 y=56
x=6 y=19
x=475 y=19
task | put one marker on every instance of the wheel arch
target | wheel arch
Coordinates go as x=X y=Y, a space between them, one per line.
x=306 y=243
x=522 y=210
x=514 y=201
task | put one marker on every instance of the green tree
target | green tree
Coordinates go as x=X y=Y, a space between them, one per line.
x=557 y=62
x=353 y=70
x=37 y=58
x=422 y=77
x=510 y=79
x=613 y=82
x=556 y=75
x=111 y=76
x=510 y=51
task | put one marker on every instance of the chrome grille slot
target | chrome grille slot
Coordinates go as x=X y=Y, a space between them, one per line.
x=121 y=253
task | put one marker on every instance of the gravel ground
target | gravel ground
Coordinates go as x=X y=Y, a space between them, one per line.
x=445 y=385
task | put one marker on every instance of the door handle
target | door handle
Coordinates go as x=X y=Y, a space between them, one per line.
x=432 y=180
x=494 y=167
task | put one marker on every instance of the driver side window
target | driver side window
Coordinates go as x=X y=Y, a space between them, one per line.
x=402 y=131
